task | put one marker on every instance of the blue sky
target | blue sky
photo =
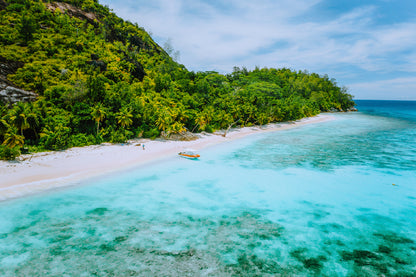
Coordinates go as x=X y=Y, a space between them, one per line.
x=368 y=46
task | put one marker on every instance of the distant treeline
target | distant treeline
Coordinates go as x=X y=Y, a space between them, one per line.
x=100 y=78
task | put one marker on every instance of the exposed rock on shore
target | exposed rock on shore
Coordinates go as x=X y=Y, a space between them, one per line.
x=183 y=136
x=350 y=109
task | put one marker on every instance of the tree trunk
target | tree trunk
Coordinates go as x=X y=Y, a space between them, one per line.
x=229 y=127
x=194 y=127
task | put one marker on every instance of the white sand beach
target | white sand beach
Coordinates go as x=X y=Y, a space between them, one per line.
x=49 y=170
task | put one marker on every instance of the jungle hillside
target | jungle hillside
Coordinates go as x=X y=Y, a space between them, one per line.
x=72 y=73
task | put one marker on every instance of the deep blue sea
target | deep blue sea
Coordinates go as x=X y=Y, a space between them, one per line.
x=335 y=198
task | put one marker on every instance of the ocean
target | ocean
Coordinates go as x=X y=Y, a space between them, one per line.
x=335 y=198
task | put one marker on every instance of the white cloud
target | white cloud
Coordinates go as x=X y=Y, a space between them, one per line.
x=217 y=35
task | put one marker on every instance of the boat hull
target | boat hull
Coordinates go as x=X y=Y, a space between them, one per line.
x=189 y=156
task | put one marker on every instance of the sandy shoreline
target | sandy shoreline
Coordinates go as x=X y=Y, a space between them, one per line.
x=49 y=170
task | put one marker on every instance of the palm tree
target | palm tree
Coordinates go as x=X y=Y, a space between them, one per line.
x=3 y=126
x=98 y=113
x=13 y=139
x=33 y=119
x=177 y=127
x=200 y=121
x=19 y=115
x=124 y=117
x=164 y=119
x=209 y=113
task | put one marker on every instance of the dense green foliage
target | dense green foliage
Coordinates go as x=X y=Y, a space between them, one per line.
x=100 y=78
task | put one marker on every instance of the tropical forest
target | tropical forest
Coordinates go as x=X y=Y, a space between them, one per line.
x=72 y=73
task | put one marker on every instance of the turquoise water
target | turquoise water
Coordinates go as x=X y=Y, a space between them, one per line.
x=317 y=200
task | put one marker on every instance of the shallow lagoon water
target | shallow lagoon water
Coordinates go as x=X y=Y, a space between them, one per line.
x=315 y=200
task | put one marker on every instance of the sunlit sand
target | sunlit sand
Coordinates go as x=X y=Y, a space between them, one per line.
x=48 y=170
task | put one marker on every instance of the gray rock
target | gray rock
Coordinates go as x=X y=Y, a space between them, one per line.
x=11 y=95
x=183 y=136
x=72 y=11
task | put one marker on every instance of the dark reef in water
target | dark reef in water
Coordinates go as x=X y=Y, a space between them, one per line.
x=246 y=244
x=310 y=263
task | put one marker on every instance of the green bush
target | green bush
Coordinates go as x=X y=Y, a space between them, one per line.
x=209 y=129
x=153 y=133
x=57 y=139
x=121 y=136
x=15 y=7
x=81 y=139
x=7 y=153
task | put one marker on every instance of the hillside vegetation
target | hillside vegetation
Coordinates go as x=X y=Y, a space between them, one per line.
x=99 y=78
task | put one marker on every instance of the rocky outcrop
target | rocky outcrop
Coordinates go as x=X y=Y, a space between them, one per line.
x=350 y=109
x=137 y=70
x=9 y=93
x=72 y=11
x=182 y=136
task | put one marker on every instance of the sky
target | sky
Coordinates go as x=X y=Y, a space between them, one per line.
x=368 y=46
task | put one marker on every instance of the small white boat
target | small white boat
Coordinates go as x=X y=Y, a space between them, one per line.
x=189 y=154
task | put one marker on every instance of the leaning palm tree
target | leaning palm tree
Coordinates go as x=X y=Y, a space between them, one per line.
x=124 y=117
x=98 y=113
x=12 y=139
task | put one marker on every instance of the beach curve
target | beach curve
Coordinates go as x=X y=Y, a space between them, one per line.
x=51 y=170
